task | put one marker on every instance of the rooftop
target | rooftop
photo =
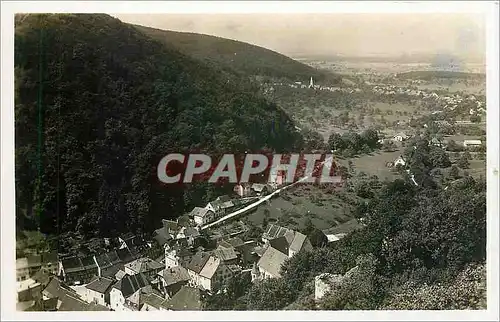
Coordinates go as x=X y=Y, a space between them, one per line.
x=100 y=284
x=271 y=261
x=187 y=299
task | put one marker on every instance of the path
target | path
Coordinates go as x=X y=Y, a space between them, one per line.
x=255 y=204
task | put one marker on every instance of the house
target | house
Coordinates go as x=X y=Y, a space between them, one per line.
x=108 y=264
x=28 y=290
x=29 y=265
x=176 y=255
x=120 y=274
x=400 y=137
x=76 y=270
x=326 y=283
x=472 y=143
x=269 y=265
x=64 y=299
x=333 y=238
x=22 y=269
x=282 y=243
x=261 y=189
x=243 y=189
x=151 y=302
x=300 y=242
x=98 y=291
x=208 y=272
x=133 y=243
x=189 y=234
x=126 y=255
x=187 y=299
x=436 y=142
x=202 y=216
x=277 y=178
x=220 y=207
x=227 y=255
x=143 y=265
x=162 y=236
x=172 y=279
x=43 y=276
x=275 y=231
x=125 y=293
x=399 y=161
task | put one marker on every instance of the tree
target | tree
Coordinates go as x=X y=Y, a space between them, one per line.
x=475 y=118
x=370 y=138
x=463 y=162
x=335 y=142
x=454 y=172
x=308 y=226
x=389 y=146
x=317 y=238
x=439 y=158
x=270 y=295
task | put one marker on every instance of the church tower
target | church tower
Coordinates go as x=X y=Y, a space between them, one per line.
x=311 y=83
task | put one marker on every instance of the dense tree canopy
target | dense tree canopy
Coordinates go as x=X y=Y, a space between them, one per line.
x=99 y=104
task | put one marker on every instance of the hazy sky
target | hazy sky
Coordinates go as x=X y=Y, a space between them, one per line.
x=349 y=34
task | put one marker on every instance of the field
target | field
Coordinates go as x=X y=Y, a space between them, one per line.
x=291 y=209
x=374 y=164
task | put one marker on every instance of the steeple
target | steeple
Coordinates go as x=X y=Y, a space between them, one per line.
x=311 y=83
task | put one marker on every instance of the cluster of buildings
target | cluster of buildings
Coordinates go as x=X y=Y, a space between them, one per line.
x=129 y=279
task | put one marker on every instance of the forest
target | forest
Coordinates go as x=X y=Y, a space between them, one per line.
x=98 y=104
x=421 y=248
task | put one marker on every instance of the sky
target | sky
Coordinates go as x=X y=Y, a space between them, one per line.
x=357 y=34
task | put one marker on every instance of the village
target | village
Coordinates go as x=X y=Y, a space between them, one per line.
x=125 y=274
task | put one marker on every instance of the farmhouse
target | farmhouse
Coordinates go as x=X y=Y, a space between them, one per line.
x=269 y=265
x=400 y=137
x=98 y=291
x=202 y=216
x=472 y=143
x=208 y=272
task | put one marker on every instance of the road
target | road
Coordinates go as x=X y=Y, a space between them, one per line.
x=255 y=204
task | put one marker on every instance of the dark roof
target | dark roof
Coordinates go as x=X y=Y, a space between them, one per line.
x=88 y=262
x=280 y=244
x=187 y=299
x=198 y=262
x=96 y=307
x=225 y=254
x=125 y=255
x=71 y=264
x=170 y=224
x=34 y=260
x=275 y=231
x=130 y=284
x=223 y=198
x=162 y=236
x=143 y=265
x=100 y=284
x=57 y=288
x=71 y=302
x=175 y=275
x=107 y=259
x=112 y=270
x=127 y=237
x=236 y=241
